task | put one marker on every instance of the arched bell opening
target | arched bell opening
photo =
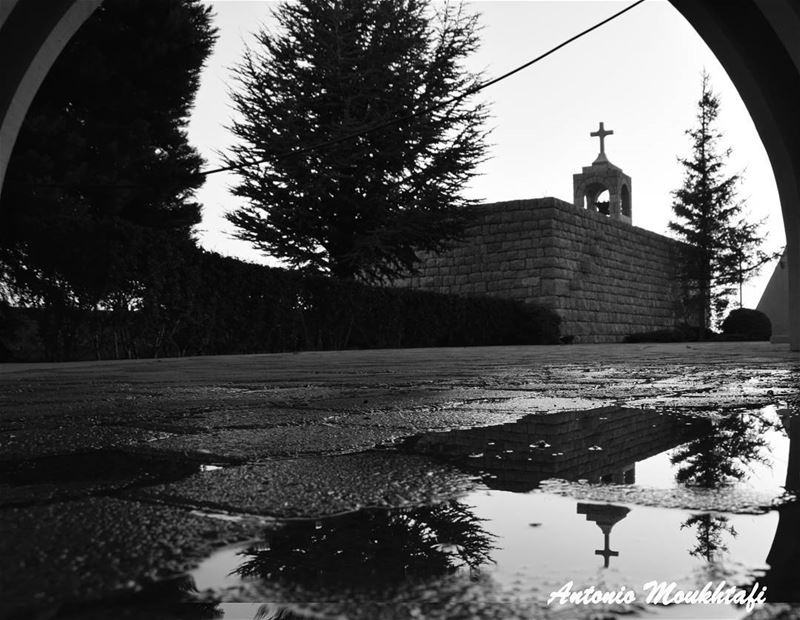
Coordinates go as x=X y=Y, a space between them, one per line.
x=598 y=199
x=625 y=201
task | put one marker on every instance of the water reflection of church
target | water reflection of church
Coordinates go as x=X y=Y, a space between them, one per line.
x=600 y=446
x=604 y=445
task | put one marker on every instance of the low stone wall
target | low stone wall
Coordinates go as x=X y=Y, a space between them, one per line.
x=606 y=279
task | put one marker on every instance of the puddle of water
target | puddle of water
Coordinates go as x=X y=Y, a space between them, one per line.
x=501 y=551
x=658 y=472
x=219 y=571
x=520 y=547
x=644 y=543
x=210 y=467
x=261 y=611
x=742 y=454
x=597 y=445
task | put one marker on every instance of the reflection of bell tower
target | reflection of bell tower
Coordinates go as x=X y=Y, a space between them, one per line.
x=603 y=176
x=606 y=516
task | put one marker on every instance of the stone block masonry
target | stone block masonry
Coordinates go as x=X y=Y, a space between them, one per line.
x=605 y=278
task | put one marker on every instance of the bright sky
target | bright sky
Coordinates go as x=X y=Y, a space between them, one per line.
x=640 y=75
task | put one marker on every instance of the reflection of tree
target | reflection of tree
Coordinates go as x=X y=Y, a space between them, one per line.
x=164 y=598
x=725 y=452
x=710 y=532
x=372 y=547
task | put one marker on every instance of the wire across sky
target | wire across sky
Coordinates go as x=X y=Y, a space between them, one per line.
x=427 y=109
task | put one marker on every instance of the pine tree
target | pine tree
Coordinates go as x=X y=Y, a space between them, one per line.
x=360 y=207
x=102 y=173
x=723 y=249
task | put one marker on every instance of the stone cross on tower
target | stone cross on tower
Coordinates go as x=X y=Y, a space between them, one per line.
x=601 y=133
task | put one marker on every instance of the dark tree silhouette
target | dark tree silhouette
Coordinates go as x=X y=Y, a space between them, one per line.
x=723 y=248
x=360 y=207
x=372 y=548
x=102 y=173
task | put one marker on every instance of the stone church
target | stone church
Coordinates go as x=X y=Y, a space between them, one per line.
x=605 y=277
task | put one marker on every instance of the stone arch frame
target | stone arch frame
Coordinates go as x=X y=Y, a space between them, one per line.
x=766 y=75
x=32 y=35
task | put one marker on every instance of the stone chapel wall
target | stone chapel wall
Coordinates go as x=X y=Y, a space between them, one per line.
x=605 y=278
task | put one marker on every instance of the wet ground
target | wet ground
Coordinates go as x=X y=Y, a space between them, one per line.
x=440 y=483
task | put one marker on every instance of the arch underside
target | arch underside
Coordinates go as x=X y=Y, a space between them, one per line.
x=32 y=35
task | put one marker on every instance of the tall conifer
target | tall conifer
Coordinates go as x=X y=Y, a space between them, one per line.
x=330 y=192
x=723 y=249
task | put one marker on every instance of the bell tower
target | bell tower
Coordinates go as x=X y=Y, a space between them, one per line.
x=602 y=176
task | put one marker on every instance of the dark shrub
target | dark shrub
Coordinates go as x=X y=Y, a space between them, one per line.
x=747 y=324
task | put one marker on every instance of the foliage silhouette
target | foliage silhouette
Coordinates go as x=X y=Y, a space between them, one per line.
x=711 y=531
x=362 y=207
x=372 y=547
x=83 y=219
x=201 y=303
x=723 y=248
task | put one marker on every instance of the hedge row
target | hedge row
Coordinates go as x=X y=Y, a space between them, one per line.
x=679 y=333
x=209 y=305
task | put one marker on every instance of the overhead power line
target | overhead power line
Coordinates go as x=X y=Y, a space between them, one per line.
x=428 y=109
x=389 y=123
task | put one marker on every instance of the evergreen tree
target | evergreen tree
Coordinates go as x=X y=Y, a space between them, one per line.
x=102 y=174
x=359 y=207
x=723 y=248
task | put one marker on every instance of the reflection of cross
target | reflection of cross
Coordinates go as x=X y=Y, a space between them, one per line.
x=602 y=133
x=605 y=516
x=606 y=551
